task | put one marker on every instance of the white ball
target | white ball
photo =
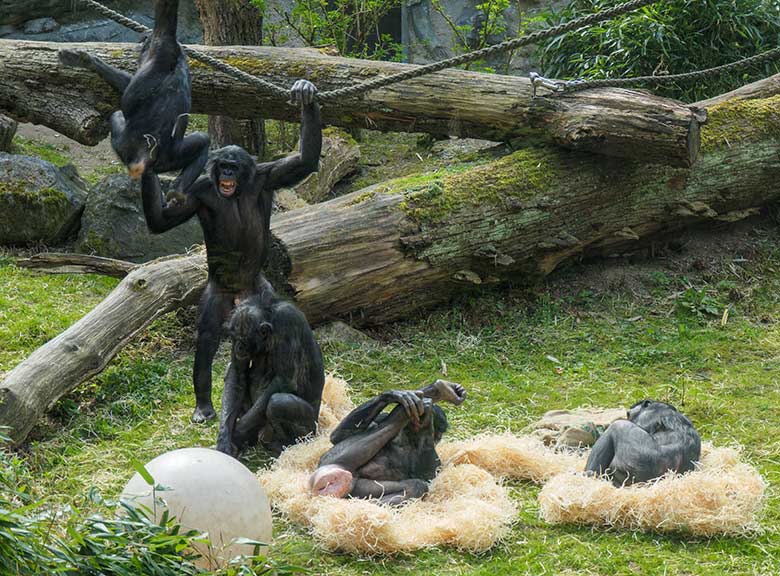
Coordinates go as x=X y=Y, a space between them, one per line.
x=210 y=492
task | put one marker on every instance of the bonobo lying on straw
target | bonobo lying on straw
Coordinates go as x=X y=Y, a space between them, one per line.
x=148 y=131
x=656 y=438
x=233 y=202
x=273 y=385
x=387 y=456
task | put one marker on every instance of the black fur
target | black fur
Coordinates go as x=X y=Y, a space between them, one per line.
x=273 y=386
x=149 y=129
x=654 y=439
x=236 y=228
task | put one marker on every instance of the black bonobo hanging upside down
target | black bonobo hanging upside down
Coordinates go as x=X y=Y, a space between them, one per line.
x=392 y=456
x=273 y=385
x=233 y=202
x=656 y=438
x=148 y=131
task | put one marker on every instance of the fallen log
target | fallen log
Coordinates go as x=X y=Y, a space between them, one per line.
x=85 y=348
x=389 y=251
x=615 y=122
x=67 y=263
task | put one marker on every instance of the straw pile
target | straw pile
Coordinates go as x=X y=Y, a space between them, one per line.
x=465 y=509
x=723 y=496
x=510 y=456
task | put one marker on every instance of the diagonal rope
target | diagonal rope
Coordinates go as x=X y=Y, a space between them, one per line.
x=381 y=82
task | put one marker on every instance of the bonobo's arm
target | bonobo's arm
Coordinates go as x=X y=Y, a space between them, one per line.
x=161 y=216
x=361 y=417
x=294 y=168
x=232 y=401
x=286 y=353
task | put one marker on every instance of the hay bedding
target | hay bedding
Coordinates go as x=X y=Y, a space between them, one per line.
x=468 y=509
x=723 y=496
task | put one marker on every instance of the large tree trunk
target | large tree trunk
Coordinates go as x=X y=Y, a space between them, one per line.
x=614 y=122
x=233 y=23
x=388 y=251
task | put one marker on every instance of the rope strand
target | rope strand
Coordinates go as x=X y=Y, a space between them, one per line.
x=375 y=83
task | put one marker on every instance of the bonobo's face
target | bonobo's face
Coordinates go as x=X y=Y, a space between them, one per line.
x=648 y=410
x=330 y=480
x=250 y=332
x=230 y=167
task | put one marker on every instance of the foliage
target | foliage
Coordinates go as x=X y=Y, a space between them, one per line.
x=488 y=26
x=670 y=37
x=36 y=541
x=351 y=26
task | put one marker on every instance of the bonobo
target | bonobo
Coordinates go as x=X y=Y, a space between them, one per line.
x=273 y=385
x=655 y=438
x=387 y=456
x=233 y=202
x=148 y=131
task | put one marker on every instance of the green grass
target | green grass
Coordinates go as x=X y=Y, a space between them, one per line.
x=619 y=334
x=41 y=150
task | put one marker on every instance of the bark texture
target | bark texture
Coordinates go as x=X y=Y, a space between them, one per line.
x=233 y=23
x=615 y=122
x=389 y=251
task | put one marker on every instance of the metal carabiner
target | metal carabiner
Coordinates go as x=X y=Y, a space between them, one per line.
x=539 y=80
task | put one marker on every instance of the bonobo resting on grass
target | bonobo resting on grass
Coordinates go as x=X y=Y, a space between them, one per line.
x=387 y=456
x=148 y=131
x=273 y=385
x=233 y=202
x=656 y=438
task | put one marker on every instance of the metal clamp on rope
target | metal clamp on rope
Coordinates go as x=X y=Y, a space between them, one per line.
x=539 y=80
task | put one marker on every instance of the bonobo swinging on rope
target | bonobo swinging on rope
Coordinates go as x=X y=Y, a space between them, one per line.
x=656 y=438
x=233 y=202
x=148 y=131
x=273 y=385
x=392 y=456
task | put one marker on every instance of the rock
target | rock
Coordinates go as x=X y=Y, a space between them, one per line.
x=286 y=199
x=113 y=225
x=456 y=148
x=344 y=333
x=339 y=157
x=40 y=26
x=7 y=130
x=39 y=203
x=571 y=428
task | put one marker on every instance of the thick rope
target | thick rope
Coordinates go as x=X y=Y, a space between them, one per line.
x=576 y=85
x=373 y=84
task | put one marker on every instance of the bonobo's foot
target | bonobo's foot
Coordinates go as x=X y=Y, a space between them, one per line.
x=175 y=197
x=444 y=391
x=75 y=58
x=227 y=447
x=303 y=92
x=203 y=413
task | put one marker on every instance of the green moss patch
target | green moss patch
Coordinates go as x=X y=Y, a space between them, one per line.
x=741 y=121
x=431 y=197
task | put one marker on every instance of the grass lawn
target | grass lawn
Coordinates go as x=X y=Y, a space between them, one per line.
x=603 y=334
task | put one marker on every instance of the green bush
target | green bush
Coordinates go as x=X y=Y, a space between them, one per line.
x=670 y=37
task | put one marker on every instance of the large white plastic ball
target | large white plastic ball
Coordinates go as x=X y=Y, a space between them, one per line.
x=210 y=492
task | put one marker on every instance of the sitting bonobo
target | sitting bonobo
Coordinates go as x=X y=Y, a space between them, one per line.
x=233 y=203
x=654 y=439
x=392 y=456
x=273 y=385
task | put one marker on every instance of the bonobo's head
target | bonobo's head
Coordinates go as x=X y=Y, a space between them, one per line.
x=647 y=410
x=440 y=423
x=250 y=330
x=230 y=168
x=137 y=152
